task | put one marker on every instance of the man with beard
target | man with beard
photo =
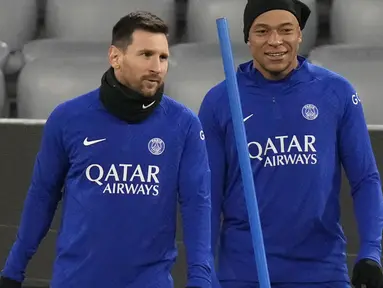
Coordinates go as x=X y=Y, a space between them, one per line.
x=120 y=157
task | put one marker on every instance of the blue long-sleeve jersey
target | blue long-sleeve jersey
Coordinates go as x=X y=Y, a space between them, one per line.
x=300 y=130
x=121 y=186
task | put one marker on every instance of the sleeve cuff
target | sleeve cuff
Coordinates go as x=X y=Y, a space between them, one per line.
x=199 y=282
x=369 y=251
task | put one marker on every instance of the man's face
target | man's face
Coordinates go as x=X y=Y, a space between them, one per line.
x=274 y=40
x=144 y=63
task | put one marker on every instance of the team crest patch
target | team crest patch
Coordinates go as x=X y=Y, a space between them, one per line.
x=310 y=111
x=156 y=146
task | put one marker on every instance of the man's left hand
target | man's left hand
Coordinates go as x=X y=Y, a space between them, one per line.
x=367 y=273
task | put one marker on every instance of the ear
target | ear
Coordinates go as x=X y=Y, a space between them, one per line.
x=300 y=36
x=115 y=57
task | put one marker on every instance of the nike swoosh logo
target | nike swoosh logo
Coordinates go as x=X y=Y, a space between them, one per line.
x=147 y=106
x=88 y=143
x=247 y=118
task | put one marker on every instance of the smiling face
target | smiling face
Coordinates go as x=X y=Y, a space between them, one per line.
x=274 y=40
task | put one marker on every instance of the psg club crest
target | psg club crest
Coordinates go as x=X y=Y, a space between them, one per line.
x=156 y=146
x=310 y=111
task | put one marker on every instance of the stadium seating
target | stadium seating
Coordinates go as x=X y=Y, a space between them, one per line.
x=202 y=14
x=4 y=54
x=357 y=21
x=58 y=48
x=2 y=93
x=195 y=68
x=363 y=67
x=84 y=30
x=45 y=83
x=41 y=6
x=310 y=33
x=94 y=19
x=183 y=54
x=17 y=27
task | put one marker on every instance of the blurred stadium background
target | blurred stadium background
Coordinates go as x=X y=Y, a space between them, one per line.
x=54 y=50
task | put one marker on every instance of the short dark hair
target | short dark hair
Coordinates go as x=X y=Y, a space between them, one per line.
x=139 y=20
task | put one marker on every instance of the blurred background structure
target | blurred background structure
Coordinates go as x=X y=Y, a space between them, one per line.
x=54 y=50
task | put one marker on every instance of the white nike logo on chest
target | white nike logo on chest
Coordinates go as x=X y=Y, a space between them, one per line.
x=88 y=143
x=248 y=117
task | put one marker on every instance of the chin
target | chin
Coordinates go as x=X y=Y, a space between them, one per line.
x=277 y=68
x=148 y=93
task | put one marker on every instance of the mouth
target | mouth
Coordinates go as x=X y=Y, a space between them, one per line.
x=276 y=55
x=152 y=81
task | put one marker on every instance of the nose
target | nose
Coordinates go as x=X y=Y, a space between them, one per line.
x=275 y=39
x=155 y=65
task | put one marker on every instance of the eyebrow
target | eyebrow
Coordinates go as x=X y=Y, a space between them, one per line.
x=152 y=52
x=280 y=25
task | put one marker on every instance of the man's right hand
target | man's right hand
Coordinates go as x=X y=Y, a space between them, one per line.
x=9 y=283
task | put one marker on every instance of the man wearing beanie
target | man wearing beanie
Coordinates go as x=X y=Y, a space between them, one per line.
x=302 y=124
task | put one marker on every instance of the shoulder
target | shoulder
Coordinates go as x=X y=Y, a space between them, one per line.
x=216 y=93
x=81 y=103
x=173 y=108
x=336 y=82
x=178 y=112
x=72 y=108
x=338 y=86
x=215 y=104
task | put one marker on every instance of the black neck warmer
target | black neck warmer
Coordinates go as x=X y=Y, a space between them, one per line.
x=124 y=102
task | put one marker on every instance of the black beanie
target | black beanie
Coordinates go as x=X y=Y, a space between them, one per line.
x=254 y=8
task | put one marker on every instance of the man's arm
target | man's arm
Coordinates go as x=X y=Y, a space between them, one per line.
x=42 y=198
x=215 y=144
x=195 y=202
x=359 y=163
